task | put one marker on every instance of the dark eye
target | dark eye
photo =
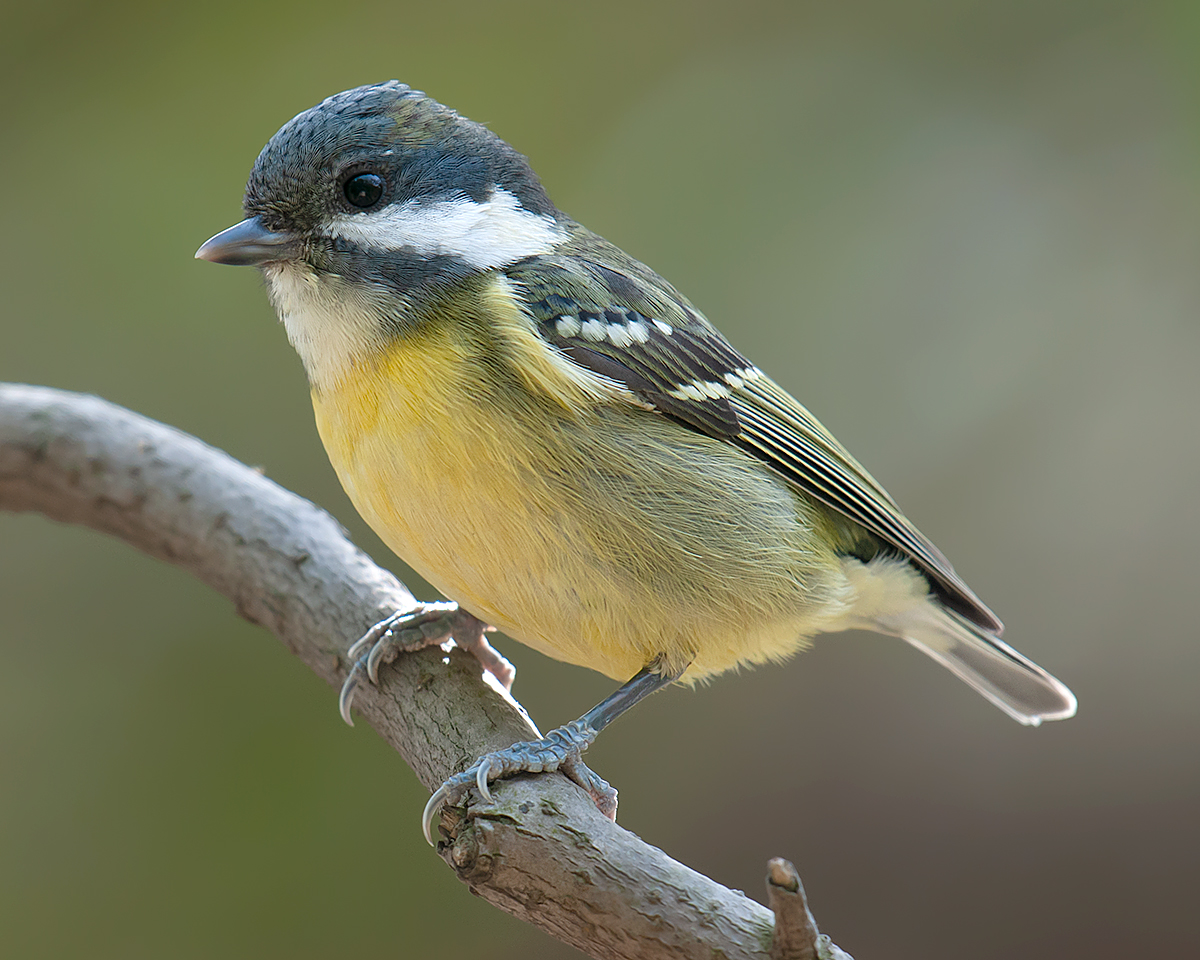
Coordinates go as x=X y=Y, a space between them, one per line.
x=364 y=190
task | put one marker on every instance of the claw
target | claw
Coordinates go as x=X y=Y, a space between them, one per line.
x=368 y=652
x=432 y=808
x=375 y=657
x=558 y=750
x=361 y=645
x=423 y=626
x=481 y=779
x=346 y=697
x=561 y=749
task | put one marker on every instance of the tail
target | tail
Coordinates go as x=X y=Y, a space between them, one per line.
x=1017 y=685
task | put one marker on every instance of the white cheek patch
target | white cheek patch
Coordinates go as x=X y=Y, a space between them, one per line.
x=491 y=234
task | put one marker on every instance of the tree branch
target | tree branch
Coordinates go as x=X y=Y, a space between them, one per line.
x=541 y=852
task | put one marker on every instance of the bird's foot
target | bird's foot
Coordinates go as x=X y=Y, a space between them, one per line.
x=429 y=625
x=560 y=750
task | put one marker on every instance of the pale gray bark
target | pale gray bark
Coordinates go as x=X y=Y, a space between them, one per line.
x=542 y=852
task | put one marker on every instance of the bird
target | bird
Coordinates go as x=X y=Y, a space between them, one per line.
x=564 y=446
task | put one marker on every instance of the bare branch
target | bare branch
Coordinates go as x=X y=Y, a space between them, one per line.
x=541 y=852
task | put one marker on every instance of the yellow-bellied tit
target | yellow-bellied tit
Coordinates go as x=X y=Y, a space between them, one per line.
x=553 y=436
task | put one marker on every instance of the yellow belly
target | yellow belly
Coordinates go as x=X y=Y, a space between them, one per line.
x=588 y=540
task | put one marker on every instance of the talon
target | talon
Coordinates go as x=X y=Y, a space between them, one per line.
x=361 y=644
x=426 y=625
x=432 y=808
x=375 y=657
x=481 y=780
x=346 y=696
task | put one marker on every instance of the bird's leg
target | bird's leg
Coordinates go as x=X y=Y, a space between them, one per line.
x=560 y=749
x=429 y=625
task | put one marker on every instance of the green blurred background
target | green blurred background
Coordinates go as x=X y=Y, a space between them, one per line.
x=966 y=234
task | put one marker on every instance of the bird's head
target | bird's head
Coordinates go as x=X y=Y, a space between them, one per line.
x=372 y=199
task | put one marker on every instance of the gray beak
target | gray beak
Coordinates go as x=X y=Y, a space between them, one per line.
x=248 y=243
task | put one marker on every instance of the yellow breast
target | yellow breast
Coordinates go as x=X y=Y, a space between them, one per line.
x=604 y=536
x=419 y=463
x=439 y=474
